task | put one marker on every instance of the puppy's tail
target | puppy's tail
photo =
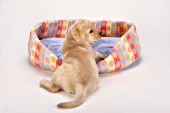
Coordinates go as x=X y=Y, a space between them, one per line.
x=79 y=97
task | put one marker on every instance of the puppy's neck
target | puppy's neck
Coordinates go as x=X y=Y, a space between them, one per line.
x=71 y=44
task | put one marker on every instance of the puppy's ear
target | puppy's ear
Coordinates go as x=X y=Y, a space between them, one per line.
x=77 y=33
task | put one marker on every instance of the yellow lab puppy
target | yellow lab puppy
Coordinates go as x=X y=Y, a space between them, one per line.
x=78 y=73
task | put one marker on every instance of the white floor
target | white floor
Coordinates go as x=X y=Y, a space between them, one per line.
x=142 y=88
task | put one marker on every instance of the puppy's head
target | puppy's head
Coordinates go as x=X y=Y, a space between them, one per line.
x=84 y=32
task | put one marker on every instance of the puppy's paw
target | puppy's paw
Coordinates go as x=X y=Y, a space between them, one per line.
x=43 y=83
x=46 y=84
x=104 y=55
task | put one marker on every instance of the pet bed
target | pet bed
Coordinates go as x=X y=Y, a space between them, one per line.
x=119 y=36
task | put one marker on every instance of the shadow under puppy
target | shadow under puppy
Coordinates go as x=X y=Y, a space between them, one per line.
x=78 y=73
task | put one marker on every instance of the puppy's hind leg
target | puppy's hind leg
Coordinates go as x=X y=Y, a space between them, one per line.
x=49 y=85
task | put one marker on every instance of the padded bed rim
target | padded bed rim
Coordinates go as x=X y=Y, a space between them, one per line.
x=125 y=52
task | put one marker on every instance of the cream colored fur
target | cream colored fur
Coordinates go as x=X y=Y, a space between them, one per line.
x=78 y=73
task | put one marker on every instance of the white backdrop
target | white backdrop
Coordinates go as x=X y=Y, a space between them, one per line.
x=142 y=88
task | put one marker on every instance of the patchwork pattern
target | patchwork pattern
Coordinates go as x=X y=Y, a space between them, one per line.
x=126 y=48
